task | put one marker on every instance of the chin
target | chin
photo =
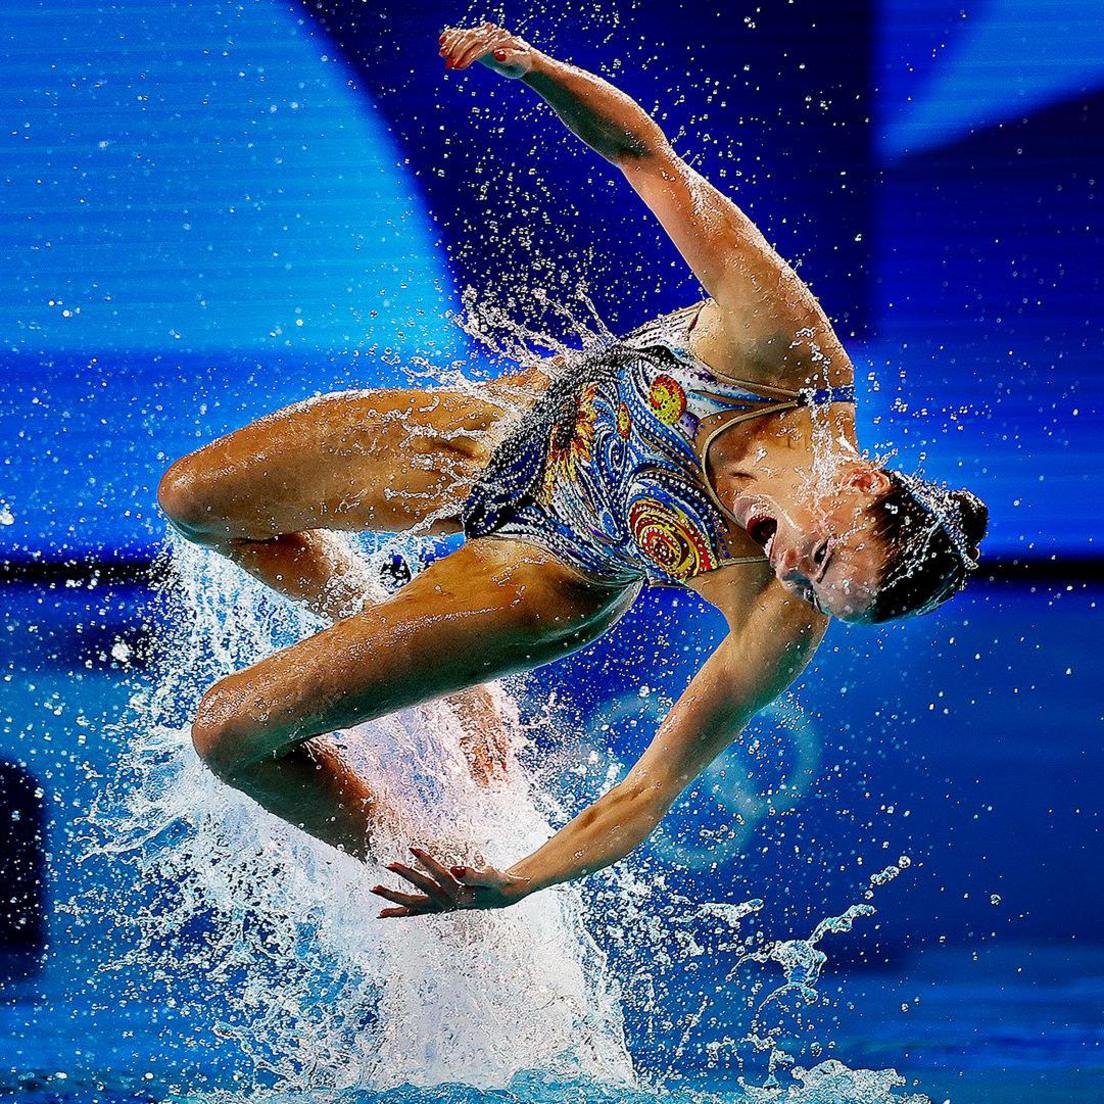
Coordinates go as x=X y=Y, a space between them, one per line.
x=851 y=615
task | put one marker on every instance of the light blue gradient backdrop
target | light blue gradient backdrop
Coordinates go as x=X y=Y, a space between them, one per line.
x=204 y=220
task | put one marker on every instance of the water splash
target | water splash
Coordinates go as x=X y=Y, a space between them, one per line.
x=269 y=938
x=770 y=1027
x=265 y=941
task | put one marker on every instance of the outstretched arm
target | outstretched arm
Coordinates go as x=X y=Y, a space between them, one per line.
x=762 y=300
x=751 y=667
x=610 y=122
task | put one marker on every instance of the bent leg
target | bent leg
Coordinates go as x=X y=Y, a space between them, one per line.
x=385 y=460
x=490 y=609
x=270 y=495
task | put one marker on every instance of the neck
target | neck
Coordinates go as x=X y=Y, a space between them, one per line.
x=783 y=452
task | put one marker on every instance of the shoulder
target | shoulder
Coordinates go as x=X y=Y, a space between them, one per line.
x=790 y=349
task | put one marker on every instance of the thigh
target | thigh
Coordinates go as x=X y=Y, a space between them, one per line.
x=387 y=460
x=490 y=609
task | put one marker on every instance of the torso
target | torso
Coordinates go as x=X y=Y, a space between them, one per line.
x=606 y=470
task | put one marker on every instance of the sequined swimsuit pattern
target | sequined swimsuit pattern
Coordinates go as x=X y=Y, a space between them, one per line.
x=606 y=470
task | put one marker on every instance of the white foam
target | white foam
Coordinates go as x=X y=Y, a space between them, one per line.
x=306 y=980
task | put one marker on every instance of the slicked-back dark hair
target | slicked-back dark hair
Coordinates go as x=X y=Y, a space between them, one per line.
x=923 y=565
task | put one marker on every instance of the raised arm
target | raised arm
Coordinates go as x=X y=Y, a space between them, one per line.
x=762 y=300
x=748 y=670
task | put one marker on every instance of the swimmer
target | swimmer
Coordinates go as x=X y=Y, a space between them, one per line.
x=713 y=449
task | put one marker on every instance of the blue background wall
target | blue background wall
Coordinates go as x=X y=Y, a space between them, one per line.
x=220 y=208
x=204 y=221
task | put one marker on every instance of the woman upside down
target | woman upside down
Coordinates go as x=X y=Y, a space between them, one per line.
x=713 y=449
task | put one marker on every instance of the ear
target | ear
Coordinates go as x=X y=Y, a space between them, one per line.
x=870 y=480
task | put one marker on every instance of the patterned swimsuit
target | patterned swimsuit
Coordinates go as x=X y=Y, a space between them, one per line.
x=608 y=470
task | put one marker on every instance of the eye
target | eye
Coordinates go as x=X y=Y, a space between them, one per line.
x=821 y=557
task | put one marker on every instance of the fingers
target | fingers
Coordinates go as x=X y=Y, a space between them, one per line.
x=409 y=900
x=480 y=44
x=460 y=47
x=409 y=904
x=441 y=873
x=465 y=875
x=448 y=40
x=432 y=889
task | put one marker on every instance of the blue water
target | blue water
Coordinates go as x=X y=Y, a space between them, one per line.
x=994 y=997
x=1022 y=1024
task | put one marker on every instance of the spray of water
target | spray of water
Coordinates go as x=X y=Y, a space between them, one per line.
x=267 y=940
x=280 y=930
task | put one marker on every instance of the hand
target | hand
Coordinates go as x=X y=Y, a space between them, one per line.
x=447 y=889
x=495 y=48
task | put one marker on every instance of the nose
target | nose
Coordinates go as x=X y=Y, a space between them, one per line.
x=796 y=581
x=786 y=562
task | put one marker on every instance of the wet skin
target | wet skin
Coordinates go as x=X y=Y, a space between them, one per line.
x=491 y=608
x=273 y=495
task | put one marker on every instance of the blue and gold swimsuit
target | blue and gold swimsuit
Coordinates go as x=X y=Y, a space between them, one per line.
x=608 y=470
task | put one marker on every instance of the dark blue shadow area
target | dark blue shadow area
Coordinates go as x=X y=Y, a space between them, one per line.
x=22 y=870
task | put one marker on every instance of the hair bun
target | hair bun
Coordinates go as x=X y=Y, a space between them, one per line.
x=975 y=517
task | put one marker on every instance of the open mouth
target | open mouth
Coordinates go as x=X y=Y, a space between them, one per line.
x=761 y=528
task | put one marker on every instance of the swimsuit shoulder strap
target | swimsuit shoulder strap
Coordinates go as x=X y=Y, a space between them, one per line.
x=723 y=401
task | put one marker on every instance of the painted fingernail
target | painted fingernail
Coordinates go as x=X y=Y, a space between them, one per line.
x=457 y=870
x=500 y=55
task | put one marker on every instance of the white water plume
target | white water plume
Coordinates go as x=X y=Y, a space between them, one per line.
x=267 y=941
x=273 y=937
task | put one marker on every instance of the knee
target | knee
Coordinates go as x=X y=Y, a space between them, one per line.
x=184 y=495
x=221 y=731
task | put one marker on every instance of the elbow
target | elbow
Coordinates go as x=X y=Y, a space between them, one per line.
x=646 y=149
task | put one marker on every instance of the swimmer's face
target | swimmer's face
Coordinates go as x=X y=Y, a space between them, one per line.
x=821 y=543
